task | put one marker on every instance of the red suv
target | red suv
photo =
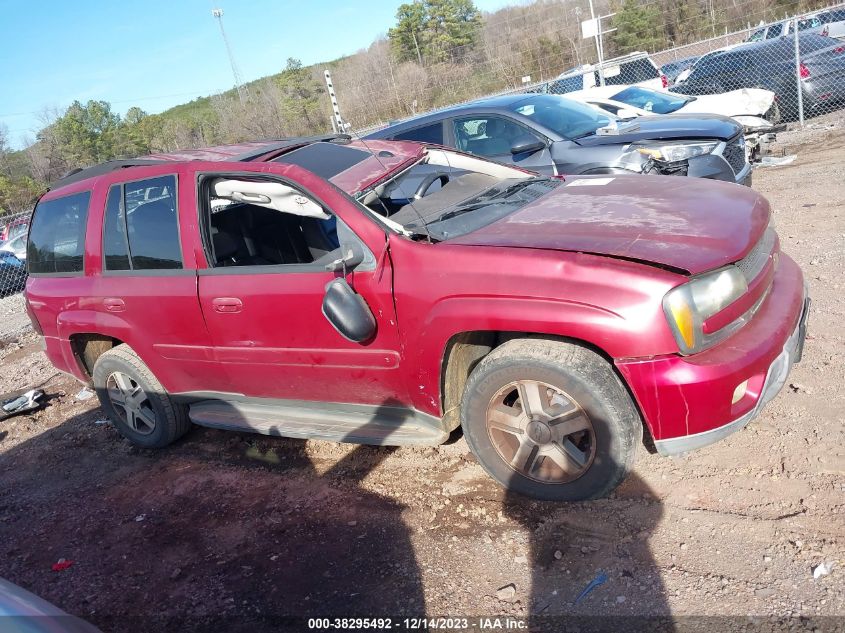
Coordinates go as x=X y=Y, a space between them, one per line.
x=389 y=292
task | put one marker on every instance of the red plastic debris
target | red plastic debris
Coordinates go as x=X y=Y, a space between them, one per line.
x=62 y=564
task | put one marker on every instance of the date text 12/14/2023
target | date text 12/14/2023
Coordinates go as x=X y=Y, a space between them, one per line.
x=446 y=624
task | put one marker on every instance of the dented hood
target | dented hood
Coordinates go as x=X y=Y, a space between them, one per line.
x=745 y=101
x=689 y=224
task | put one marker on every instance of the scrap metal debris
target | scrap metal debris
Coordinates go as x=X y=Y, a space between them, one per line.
x=776 y=161
x=15 y=404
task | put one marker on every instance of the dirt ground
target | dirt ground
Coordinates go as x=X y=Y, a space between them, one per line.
x=232 y=532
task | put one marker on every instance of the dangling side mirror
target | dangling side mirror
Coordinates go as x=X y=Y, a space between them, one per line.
x=347 y=311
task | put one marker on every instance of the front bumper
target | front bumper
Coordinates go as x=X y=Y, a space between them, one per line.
x=774 y=382
x=691 y=401
x=715 y=167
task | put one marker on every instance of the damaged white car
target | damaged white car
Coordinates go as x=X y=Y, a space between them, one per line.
x=755 y=109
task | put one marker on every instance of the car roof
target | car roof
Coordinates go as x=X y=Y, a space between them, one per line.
x=500 y=102
x=237 y=152
x=382 y=158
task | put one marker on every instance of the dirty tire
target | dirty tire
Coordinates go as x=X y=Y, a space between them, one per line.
x=171 y=418
x=588 y=380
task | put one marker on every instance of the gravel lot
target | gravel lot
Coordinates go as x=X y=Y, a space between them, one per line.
x=228 y=532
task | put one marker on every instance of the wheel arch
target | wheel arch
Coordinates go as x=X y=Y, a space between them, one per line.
x=87 y=347
x=464 y=350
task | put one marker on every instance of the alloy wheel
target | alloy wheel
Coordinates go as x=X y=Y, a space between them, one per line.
x=541 y=432
x=131 y=403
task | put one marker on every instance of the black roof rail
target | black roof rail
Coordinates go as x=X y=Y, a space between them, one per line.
x=285 y=143
x=75 y=175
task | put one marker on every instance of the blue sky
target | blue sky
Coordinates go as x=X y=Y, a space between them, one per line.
x=159 y=53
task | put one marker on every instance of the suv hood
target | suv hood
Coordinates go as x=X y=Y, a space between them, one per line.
x=689 y=224
x=668 y=127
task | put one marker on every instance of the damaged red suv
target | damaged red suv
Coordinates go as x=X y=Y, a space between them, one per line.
x=390 y=292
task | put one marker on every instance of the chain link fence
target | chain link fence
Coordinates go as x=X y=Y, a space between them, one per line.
x=778 y=71
x=13 y=231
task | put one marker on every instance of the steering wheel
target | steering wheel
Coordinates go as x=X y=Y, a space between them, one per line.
x=429 y=180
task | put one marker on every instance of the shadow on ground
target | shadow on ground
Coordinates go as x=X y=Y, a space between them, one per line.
x=237 y=532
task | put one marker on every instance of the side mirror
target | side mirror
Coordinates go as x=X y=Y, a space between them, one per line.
x=351 y=256
x=347 y=311
x=527 y=146
x=625 y=113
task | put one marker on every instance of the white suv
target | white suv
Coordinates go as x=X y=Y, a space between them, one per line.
x=632 y=69
x=810 y=24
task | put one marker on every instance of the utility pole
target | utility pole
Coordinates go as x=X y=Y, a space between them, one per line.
x=243 y=92
x=592 y=27
x=338 y=123
x=417 y=46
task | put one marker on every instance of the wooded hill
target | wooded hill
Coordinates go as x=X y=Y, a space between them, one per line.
x=439 y=52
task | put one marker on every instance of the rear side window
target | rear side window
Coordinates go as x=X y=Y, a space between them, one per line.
x=425 y=134
x=115 y=242
x=141 y=227
x=569 y=84
x=774 y=31
x=57 y=237
x=632 y=72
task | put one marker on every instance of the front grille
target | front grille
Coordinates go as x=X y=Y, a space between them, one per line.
x=734 y=154
x=752 y=264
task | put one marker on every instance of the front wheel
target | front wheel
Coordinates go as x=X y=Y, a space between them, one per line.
x=550 y=420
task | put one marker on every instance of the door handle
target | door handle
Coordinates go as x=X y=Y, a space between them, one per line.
x=227 y=305
x=114 y=304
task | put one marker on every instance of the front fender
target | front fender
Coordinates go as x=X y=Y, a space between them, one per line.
x=451 y=316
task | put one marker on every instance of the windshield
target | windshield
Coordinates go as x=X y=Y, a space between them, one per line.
x=566 y=118
x=651 y=100
x=448 y=194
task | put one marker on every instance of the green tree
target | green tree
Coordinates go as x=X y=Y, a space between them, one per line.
x=435 y=30
x=639 y=27
x=86 y=134
x=300 y=94
x=18 y=193
x=407 y=37
x=137 y=133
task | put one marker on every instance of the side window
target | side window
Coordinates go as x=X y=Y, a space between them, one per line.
x=141 y=227
x=425 y=134
x=757 y=36
x=57 y=237
x=635 y=71
x=774 y=31
x=267 y=223
x=569 y=84
x=711 y=68
x=488 y=135
x=115 y=242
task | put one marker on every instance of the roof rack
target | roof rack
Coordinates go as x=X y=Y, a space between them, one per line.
x=285 y=143
x=107 y=167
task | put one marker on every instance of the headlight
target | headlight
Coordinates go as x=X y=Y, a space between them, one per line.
x=688 y=306
x=672 y=152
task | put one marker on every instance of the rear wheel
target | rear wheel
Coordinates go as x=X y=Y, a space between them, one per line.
x=134 y=399
x=550 y=420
